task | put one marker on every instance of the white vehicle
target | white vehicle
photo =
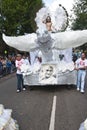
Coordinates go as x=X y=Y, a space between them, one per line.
x=55 y=72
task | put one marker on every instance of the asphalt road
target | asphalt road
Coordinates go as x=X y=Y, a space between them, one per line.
x=33 y=109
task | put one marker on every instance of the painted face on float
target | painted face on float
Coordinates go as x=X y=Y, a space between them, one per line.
x=49 y=71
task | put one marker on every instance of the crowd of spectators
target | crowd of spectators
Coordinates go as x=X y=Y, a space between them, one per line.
x=7 y=65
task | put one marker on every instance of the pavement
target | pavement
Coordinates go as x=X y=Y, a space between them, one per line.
x=32 y=109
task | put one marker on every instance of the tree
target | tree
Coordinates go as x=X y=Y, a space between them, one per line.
x=80 y=12
x=17 y=16
x=80 y=18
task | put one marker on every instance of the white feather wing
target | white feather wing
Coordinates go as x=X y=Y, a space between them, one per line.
x=23 y=43
x=69 y=39
x=59 y=16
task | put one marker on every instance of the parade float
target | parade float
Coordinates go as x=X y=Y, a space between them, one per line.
x=53 y=44
x=6 y=121
x=83 y=125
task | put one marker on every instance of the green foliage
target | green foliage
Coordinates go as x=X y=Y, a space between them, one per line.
x=80 y=12
x=80 y=21
x=18 y=16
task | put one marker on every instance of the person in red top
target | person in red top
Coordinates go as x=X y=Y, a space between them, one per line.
x=19 y=61
x=81 y=66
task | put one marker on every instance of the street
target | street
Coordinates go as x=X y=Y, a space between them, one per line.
x=44 y=108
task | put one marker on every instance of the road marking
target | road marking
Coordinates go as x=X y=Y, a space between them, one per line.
x=52 y=119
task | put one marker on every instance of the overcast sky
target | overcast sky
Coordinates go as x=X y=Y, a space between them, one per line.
x=66 y=3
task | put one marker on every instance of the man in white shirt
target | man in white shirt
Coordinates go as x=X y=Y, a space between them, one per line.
x=81 y=66
x=19 y=62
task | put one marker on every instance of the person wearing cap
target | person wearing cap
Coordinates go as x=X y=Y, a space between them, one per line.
x=19 y=61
